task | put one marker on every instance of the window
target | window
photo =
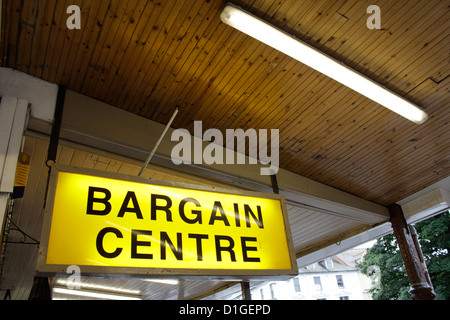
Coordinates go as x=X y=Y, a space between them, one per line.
x=340 y=281
x=272 y=290
x=317 y=283
x=344 y=298
x=261 y=291
x=296 y=284
x=329 y=264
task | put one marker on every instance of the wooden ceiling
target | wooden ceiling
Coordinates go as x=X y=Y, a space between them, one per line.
x=148 y=56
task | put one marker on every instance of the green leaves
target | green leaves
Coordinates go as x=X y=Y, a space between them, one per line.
x=393 y=283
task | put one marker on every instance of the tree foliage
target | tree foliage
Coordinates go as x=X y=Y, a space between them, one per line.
x=384 y=265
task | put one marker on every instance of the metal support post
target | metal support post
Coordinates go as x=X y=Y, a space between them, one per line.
x=246 y=293
x=40 y=290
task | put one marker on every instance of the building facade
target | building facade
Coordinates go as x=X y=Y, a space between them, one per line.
x=329 y=279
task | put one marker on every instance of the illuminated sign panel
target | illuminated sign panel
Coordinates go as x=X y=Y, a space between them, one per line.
x=108 y=223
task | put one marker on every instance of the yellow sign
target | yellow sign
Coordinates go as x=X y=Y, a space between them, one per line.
x=99 y=221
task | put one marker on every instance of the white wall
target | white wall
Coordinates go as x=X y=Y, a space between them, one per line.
x=284 y=290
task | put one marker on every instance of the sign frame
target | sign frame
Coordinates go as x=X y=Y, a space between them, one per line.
x=45 y=269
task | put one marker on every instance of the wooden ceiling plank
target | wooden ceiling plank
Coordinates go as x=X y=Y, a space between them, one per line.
x=166 y=24
x=226 y=75
x=389 y=174
x=381 y=175
x=329 y=32
x=313 y=93
x=67 y=69
x=244 y=105
x=349 y=14
x=192 y=55
x=193 y=71
x=51 y=55
x=397 y=160
x=365 y=45
x=186 y=37
x=108 y=23
x=249 y=75
x=309 y=102
x=316 y=164
x=64 y=72
x=385 y=173
x=81 y=53
x=125 y=168
x=351 y=153
x=341 y=138
x=14 y=11
x=133 y=62
x=5 y=26
x=63 y=45
x=296 y=111
x=30 y=12
x=400 y=189
x=229 y=80
x=401 y=133
x=206 y=75
x=223 y=72
x=78 y=158
x=117 y=75
x=435 y=64
x=338 y=125
x=163 y=59
x=283 y=92
x=401 y=46
x=111 y=32
x=369 y=140
x=316 y=19
x=61 y=73
x=218 y=56
x=125 y=30
x=260 y=101
x=249 y=78
x=144 y=62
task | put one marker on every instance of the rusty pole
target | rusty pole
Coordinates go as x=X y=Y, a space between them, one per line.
x=421 y=287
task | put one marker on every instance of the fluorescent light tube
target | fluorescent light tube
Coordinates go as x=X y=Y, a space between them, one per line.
x=280 y=40
x=163 y=281
x=92 y=294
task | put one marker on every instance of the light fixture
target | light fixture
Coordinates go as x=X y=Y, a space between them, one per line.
x=94 y=294
x=172 y=282
x=63 y=282
x=257 y=28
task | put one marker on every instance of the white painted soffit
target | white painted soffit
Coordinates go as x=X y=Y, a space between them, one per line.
x=427 y=205
x=39 y=93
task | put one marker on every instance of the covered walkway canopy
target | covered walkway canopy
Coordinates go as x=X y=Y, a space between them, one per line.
x=345 y=161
